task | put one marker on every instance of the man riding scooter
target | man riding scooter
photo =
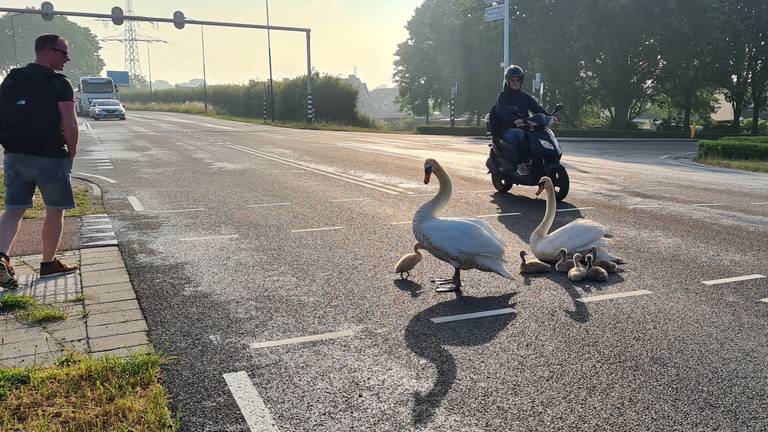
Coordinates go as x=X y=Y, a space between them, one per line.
x=512 y=108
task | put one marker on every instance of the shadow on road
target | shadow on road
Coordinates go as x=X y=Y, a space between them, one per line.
x=428 y=340
x=413 y=288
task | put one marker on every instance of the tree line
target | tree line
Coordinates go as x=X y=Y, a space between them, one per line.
x=611 y=59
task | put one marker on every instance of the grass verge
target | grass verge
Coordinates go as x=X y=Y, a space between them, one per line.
x=30 y=309
x=196 y=109
x=81 y=393
x=746 y=165
x=83 y=203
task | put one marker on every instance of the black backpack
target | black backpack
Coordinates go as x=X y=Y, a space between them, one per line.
x=29 y=117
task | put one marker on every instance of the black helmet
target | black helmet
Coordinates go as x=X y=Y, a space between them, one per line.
x=514 y=71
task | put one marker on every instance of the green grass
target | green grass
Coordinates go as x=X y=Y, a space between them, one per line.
x=80 y=394
x=78 y=298
x=746 y=165
x=30 y=309
x=83 y=203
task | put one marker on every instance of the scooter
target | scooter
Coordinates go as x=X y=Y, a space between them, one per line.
x=542 y=160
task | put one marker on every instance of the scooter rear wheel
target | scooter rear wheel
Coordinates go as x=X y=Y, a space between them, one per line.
x=562 y=184
x=500 y=184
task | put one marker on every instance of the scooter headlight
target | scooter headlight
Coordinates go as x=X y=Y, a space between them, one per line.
x=546 y=144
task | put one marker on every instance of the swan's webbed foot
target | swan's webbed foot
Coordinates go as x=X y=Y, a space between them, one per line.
x=449 y=285
x=405 y=275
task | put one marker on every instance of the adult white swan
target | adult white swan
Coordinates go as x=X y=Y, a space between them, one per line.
x=464 y=243
x=578 y=236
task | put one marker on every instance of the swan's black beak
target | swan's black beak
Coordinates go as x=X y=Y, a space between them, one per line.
x=541 y=189
x=427 y=174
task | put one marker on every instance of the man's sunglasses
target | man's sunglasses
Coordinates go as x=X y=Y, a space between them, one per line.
x=66 y=53
x=516 y=80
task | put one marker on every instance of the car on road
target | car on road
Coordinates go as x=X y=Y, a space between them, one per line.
x=106 y=108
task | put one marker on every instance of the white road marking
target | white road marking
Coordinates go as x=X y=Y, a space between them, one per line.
x=644 y=206
x=765 y=300
x=597 y=298
x=302 y=339
x=350 y=199
x=251 y=404
x=137 y=206
x=576 y=209
x=473 y=315
x=269 y=205
x=362 y=182
x=707 y=205
x=664 y=157
x=215 y=126
x=498 y=214
x=733 y=279
x=316 y=229
x=106 y=179
x=177 y=211
x=209 y=238
x=101 y=243
x=760 y=203
x=98 y=227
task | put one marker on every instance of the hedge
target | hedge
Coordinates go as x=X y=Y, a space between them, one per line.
x=728 y=148
x=569 y=133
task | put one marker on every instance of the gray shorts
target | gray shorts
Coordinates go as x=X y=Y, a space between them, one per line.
x=53 y=176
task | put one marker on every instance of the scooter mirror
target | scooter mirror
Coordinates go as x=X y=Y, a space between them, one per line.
x=558 y=107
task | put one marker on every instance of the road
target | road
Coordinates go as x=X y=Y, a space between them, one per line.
x=239 y=238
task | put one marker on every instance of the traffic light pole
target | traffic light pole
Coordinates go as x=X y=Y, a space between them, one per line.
x=47 y=12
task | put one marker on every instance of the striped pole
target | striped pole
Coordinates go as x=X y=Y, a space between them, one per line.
x=265 y=103
x=310 y=108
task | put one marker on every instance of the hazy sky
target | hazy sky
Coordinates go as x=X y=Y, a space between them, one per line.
x=345 y=34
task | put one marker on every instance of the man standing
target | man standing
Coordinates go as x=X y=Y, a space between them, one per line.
x=38 y=129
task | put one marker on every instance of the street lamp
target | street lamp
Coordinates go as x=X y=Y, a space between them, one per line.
x=13 y=32
x=269 y=48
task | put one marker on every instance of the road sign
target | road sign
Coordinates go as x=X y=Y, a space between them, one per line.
x=46 y=11
x=494 y=13
x=120 y=78
x=490 y=2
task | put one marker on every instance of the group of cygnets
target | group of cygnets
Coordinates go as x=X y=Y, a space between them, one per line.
x=471 y=243
x=578 y=268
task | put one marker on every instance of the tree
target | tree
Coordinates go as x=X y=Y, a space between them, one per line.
x=84 y=46
x=758 y=22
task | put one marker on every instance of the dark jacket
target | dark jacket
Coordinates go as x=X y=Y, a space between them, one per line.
x=30 y=121
x=513 y=105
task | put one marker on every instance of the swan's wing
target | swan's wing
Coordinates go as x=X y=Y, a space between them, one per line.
x=576 y=236
x=460 y=237
x=486 y=226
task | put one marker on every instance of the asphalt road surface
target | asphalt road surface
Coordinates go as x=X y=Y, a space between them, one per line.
x=263 y=260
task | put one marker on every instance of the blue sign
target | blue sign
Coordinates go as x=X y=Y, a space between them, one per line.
x=120 y=78
x=494 y=13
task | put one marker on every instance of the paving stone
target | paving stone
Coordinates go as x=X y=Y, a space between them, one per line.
x=24 y=334
x=115 y=264
x=123 y=352
x=70 y=334
x=99 y=289
x=74 y=320
x=41 y=359
x=43 y=344
x=117 y=329
x=108 y=297
x=119 y=341
x=96 y=259
x=114 y=317
x=105 y=277
x=9 y=322
x=98 y=308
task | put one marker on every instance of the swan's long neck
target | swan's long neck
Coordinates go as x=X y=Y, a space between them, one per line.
x=549 y=216
x=430 y=208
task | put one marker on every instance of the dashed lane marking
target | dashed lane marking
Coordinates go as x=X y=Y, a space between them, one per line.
x=177 y=210
x=498 y=215
x=339 y=176
x=269 y=205
x=106 y=179
x=592 y=299
x=733 y=279
x=250 y=403
x=765 y=300
x=474 y=315
x=760 y=203
x=350 y=199
x=137 y=206
x=316 y=229
x=215 y=126
x=209 y=237
x=303 y=339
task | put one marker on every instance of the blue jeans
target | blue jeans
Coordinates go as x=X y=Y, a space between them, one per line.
x=514 y=138
x=52 y=176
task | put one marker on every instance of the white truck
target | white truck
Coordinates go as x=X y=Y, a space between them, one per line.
x=92 y=88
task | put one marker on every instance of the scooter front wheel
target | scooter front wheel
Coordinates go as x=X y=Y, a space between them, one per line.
x=501 y=185
x=562 y=184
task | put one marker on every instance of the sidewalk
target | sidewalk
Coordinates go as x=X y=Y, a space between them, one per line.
x=103 y=316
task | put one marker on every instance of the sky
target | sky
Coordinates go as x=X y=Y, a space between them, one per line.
x=346 y=35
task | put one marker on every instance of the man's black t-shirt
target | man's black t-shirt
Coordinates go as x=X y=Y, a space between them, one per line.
x=31 y=121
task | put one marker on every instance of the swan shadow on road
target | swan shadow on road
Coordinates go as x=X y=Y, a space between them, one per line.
x=428 y=340
x=413 y=288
